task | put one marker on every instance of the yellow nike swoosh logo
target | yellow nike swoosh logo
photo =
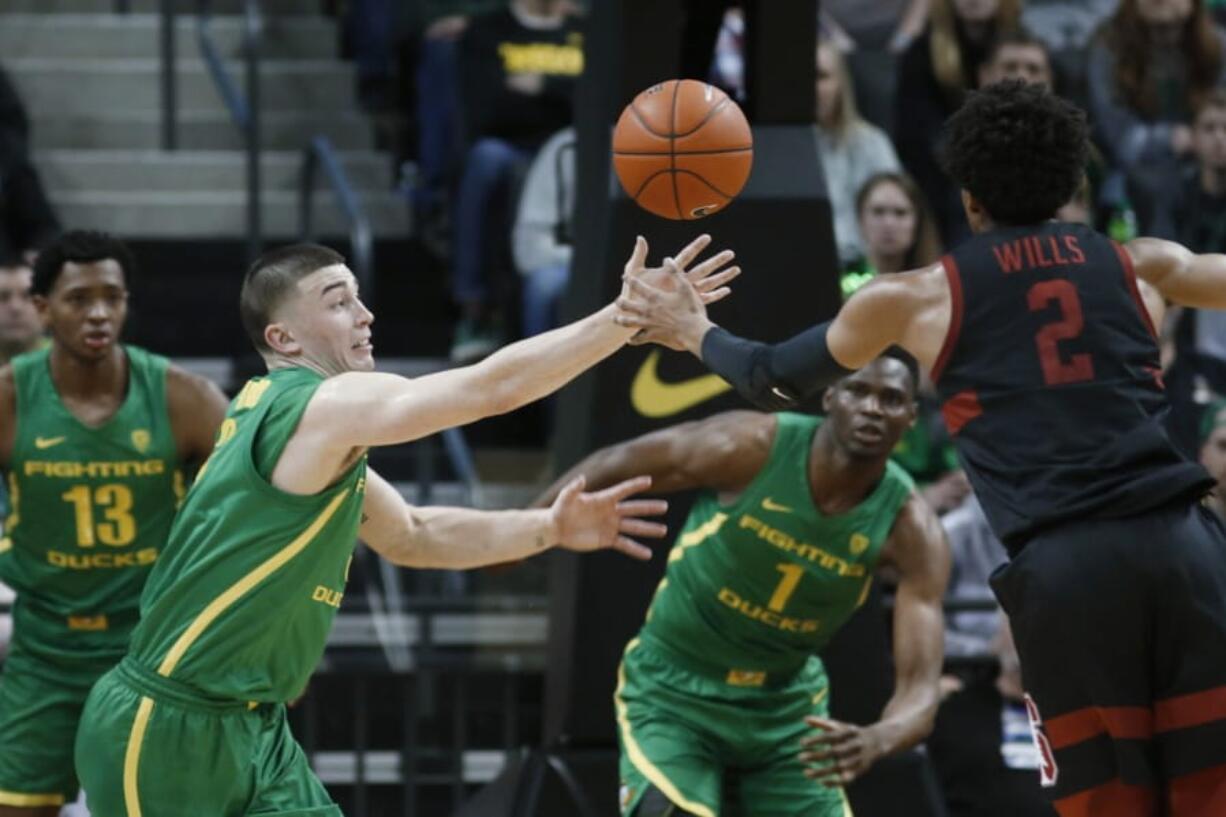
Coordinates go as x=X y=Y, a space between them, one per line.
x=652 y=397
x=774 y=506
x=47 y=442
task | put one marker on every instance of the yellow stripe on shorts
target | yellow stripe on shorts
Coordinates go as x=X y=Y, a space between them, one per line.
x=131 y=758
x=23 y=800
x=639 y=758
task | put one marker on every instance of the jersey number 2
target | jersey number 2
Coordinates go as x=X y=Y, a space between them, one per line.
x=1056 y=370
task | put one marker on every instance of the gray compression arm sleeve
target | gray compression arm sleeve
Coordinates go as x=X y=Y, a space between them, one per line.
x=773 y=377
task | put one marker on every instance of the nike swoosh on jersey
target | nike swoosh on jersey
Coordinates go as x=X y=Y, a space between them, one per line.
x=652 y=397
x=775 y=506
x=47 y=442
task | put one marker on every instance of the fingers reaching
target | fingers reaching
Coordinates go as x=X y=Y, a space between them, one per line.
x=713 y=282
x=638 y=258
x=641 y=527
x=691 y=251
x=709 y=298
x=624 y=489
x=711 y=265
x=632 y=548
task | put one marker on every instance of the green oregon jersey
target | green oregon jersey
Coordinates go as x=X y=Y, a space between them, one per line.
x=756 y=587
x=241 y=602
x=90 y=509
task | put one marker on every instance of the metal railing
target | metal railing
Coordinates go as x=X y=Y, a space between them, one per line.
x=319 y=154
x=242 y=103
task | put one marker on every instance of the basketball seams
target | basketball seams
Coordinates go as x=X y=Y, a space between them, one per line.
x=711 y=113
x=648 y=181
x=682 y=152
x=643 y=123
x=701 y=179
x=672 y=148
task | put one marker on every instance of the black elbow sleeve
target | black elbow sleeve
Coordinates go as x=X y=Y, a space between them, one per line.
x=773 y=377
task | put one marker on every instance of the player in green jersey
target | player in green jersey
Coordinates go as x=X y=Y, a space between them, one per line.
x=780 y=548
x=20 y=329
x=94 y=437
x=237 y=612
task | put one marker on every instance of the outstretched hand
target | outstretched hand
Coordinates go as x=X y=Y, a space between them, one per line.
x=839 y=752
x=607 y=519
x=705 y=284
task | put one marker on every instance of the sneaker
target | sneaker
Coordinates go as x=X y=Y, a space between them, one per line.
x=473 y=341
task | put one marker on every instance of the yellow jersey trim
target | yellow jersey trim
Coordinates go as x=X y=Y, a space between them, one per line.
x=131 y=757
x=847 y=812
x=246 y=584
x=6 y=544
x=639 y=759
x=697 y=536
x=23 y=800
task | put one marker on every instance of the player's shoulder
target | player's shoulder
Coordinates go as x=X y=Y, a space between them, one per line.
x=900 y=479
x=909 y=289
x=192 y=399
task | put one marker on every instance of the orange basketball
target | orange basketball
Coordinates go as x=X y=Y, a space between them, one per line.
x=682 y=149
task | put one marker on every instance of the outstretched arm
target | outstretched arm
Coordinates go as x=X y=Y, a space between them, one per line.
x=884 y=312
x=359 y=409
x=461 y=538
x=724 y=452
x=1180 y=275
x=918 y=550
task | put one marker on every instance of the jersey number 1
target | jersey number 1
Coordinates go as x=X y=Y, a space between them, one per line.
x=1056 y=370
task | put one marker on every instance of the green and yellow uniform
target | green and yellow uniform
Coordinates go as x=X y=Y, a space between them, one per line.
x=233 y=621
x=724 y=669
x=89 y=511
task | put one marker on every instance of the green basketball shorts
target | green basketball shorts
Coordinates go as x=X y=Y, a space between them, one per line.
x=40 y=706
x=680 y=732
x=151 y=746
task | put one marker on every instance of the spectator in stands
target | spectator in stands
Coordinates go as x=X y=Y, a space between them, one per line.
x=982 y=746
x=882 y=24
x=20 y=328
x=898 y=234
x=934 y=74
x=1213 y=453
x=1196 y=214
x=1017 y=55
x=851 y=149
x=541 y=240
x=27 y=221
x=1150 y=67
x=728 y=60
x=1066 y=25
x=518 y=67
x=896 y=229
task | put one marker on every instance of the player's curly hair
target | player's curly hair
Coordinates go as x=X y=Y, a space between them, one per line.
x=79 y=247
x=1019 y=149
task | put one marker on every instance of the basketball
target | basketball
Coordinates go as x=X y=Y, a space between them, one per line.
x=682 y=149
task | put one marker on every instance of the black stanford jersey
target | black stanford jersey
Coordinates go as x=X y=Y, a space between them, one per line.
x=1050 y=382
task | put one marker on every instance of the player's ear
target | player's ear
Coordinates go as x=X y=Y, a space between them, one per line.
x=975 y=214
x=42 y=306
x=280 y=339
x=827 y=400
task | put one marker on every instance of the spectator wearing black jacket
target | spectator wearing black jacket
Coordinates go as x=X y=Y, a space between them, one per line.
x=934 y=74
x=518 y=68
